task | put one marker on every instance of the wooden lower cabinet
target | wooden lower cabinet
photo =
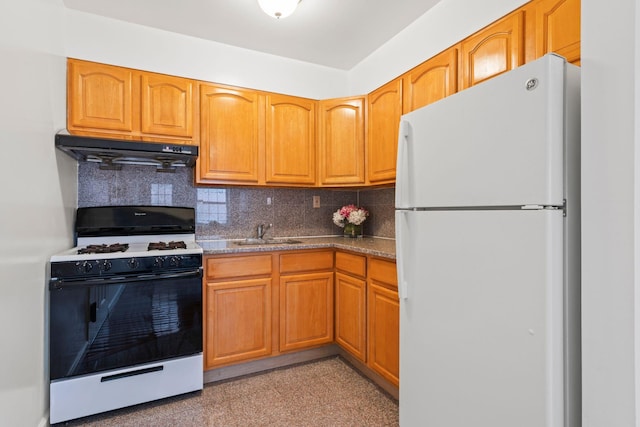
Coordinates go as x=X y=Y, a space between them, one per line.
x=351 y=332
x=383 y=320
x=238 y=321
x=351 y=303
x=258 y=305
x=238 y=308
x=306 y=310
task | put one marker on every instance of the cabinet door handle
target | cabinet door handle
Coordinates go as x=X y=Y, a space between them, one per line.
x=93 y=312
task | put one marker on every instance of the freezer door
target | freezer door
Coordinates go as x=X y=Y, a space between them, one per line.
x=499 y=143
x=481 y=322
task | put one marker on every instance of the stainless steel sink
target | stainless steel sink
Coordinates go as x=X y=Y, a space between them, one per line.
x=256 y=242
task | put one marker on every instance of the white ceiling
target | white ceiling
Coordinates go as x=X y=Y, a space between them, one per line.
x=334 y=33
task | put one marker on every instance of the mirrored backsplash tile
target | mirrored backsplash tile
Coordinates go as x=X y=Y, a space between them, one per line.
x=228 y=212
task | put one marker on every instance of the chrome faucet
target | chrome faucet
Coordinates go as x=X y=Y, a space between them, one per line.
x=261 y=230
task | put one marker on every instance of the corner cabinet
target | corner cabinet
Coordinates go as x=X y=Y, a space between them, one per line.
x=231 y=135
x=114 y=102
x=494 y=50
x=237 y=309
x=306 y=299
x=341 y=141
x=384 y=111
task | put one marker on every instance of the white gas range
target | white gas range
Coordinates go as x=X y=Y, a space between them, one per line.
x=125 y=310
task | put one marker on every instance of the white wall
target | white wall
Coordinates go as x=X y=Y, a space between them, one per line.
x=610 y=216
x=109 y=41
x=445 y=25
x=114 y=42
x=38 y=197
x=40 y=190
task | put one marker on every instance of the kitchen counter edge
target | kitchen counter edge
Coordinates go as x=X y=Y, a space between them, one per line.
x=376 y=246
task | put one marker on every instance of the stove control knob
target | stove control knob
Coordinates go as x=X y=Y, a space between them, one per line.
x=158 y=262
x=174 y=261
x=85 y=267
x=133 y=263
x=106 y=265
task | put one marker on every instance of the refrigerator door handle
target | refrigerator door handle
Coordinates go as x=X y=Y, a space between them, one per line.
x=402 y=167
x=401 y=220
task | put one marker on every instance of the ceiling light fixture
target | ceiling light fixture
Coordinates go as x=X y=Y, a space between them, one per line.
x=278 y=8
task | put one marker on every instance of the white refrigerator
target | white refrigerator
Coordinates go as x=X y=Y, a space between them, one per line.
x=488 y=253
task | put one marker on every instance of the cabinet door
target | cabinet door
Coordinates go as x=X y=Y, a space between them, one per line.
x=290 y=144
x=384 y=111
x=384 y=331
x=167 y=105
x=430 y=81
x=351 y=314
x=230 y=136
x=238 y=321
x=342 y=141
x=306 y=310
x=100 y=97
x=558 y=28
x=493 y=51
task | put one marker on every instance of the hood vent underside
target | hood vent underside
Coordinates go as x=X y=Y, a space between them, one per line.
x=112 y=154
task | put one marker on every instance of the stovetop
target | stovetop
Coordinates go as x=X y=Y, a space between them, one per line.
x=131 y=247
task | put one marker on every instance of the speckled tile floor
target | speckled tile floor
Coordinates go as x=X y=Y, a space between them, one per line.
x=317 y=394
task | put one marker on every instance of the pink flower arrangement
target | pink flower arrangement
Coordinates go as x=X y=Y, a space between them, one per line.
x=351 y=214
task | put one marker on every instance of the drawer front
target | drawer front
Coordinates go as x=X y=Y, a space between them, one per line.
x=306 y=261
x=351 y=263
x=383 y=271
x=238 y=266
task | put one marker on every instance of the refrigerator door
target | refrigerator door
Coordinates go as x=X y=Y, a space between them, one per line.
x=481 y=321
x=499 y=143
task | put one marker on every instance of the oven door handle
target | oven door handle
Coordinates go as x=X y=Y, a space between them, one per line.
x=56 y=284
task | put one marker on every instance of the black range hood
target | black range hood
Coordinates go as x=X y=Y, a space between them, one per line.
x=113 y=153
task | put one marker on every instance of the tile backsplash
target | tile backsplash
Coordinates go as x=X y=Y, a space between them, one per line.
x=229 y=212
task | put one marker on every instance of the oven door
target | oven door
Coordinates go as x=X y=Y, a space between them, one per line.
x=102 y=324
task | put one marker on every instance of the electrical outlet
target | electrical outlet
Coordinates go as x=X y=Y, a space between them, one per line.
x=316 y=201
x=268 y=200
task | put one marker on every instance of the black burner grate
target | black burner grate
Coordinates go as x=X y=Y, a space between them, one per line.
x=162 y=246
x=104 y=249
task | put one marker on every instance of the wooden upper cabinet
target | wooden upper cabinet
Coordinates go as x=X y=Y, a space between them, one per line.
x=341 y=141
x=230 y=135
x=384 y=111
x=558 y=28
x=116 y=102
x=290 y=142
x=492 y=51
x=167 y=105
x=430 y=81
x=100 y=97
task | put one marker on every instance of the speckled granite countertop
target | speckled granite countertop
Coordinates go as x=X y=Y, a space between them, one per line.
x=376 y=246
